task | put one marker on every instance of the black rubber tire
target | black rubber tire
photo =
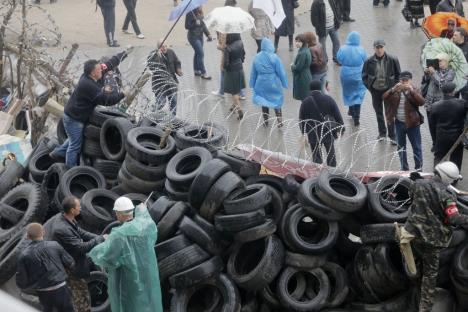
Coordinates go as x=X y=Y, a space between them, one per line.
x=97 y=208
x=78 y=180
x=108 y=168
x=384 y=261
x=61 y=134
x=10 y=176
x=275 y=208
x=174 y=193
x=459 y=267
x=398 y=303
x=274 y=181
x=97 y=286
x=225 y=185
x=92 y=132
x=143 y=145
x=119 y=190
x=257 y=232
x=235 y=159
x=307 y=196
x=137 y=185
x=20 y=206
x=197 y=274
x=113 y=137
x=304 y=262
x=339 y=284
x=255 y=264
x=110 y=226
x=92 y=148
x=205 y=179
x=251 y=198
x=39 y=163
x=9 y=253
x=186 y=165
x=144 y=171
x=230 y=301
x=159 y=208
x=169 y=223
x=378 y=233
x=352 y=194
x=171 y=246
x=101 y=114
x=196 y=234
x=314 y=304
x=194 y=135
x=239 y=222
x=138 y=198
x=50 y=183
x=384 y=211
x=181 y=260
x=292 y=183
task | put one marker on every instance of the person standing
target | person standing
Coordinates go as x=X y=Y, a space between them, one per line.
x=129 y=257
x=89 y=93
x=433 y=6
x=165 y=67
x=416 y=8
x=403 y=102
x=41 y=267
x=268 y=79
x=130 y=5
x=234 y=80
x=385 y=3
x=301 y=69
x=319 y=122
x=196 y=28
x=263 y=26
x=64 y=229
x=449 y=31
x=351 y=57
x=380 y=72
x=448 y=117
x=345 y=9
x=325 y=17
x=460 y=38
x=455 y=6
x=318 y=65
x=108 y=13
x=286 y=29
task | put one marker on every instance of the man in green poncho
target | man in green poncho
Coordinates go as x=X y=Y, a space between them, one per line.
x=129 y=258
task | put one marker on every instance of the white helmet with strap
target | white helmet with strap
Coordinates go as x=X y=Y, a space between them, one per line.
x=448 y=172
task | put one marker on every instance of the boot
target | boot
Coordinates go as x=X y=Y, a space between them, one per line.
x=240 y=114
x=266 y=116
x=279 y=120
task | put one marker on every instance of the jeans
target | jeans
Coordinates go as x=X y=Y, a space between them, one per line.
x=378 y=104
x=108 y=13
x=171 y=98
x=71 y=148
x=355 y=111
x=131 y=16
x=323 y=80
x=221 y=86
x=198 y=58
x=59 y=299
x=414 y=136
x=335 y=41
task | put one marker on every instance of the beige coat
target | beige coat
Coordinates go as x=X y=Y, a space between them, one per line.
x=263 y=26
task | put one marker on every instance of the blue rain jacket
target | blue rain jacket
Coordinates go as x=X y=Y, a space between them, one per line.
x=352 y=56
x=268 y=77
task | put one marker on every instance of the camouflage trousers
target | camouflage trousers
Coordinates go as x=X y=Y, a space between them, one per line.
x=80 y=294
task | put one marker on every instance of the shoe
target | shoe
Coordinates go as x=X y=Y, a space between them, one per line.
x=393 y=142
x=385 y=5
x=376 y=5
x=127 y=32
x=242 y=97
x=217 y=93
x=114 y=44
x=349 y=112
x=240 y=114
x=416 y=24
x=265 y=123
x=197 y=73
x=141 y=36
x=381 y=137
x=336 y=62
x=205 y=76
x=349 y=19
x=57 y=158
x=357 y=123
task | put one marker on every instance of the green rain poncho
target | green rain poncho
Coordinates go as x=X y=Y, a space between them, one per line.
x=129 y=258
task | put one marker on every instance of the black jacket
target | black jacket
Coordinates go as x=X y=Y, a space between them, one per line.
x=234 y=56
x=369 y=70
x=195 y=30
x=448 y=116
x=464 y=48
x=89 y=93
x=42 y=264
x=446 y=6
x=76 y=241
x=318 y=16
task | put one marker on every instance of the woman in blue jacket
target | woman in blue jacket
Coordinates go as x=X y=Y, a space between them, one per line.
x=268 y=78
x=352 y=56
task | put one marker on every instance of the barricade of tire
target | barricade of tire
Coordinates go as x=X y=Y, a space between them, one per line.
x=230 y=239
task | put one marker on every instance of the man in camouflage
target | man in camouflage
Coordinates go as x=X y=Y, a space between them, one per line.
x=432 y=213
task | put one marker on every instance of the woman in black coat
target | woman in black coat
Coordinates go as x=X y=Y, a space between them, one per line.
x=287 y=26
x=234 y=80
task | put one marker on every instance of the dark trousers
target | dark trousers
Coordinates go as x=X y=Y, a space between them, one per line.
x=345 y=6
x=59 y=299
x=442 y=145
x=379 y=106
x=259 y=45
x=131 y=16
x=414 y=136
x=355 y=112
x=432 y=128
x=316 y=143
x=290 y=39
x=108 y=13
x=433 y=5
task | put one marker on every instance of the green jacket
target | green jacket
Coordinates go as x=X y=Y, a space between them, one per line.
x=129 y=258
x=301 y=74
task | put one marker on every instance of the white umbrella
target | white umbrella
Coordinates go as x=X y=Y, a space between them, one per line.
x=272 y=8
x=229 y=20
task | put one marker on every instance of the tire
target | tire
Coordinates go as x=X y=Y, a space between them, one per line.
x=192 y=135
x=51 y=181
x=134 y=184
x=92 y=148
x=239 y=222
x=144 y=171
x=9 y=253
x=159 y=208
x=384 y=261
x=249 y=199
x=174 y=193
x=274 y=181
x=92 y=132
x=61 y=133
x=275 y=208
x=292 y=183
x=304 y=262
x=196 y=234
x=143 y=145
x=171 y=246
x=10 y=176
x=97 y=208
x=119 y=190
x=39 y=163
x=459 y=267
x=383 y=210
x=197 y=274
x=101 y=114
x=97 y=286
x=168 y=224
x=205 y=179
x=186 y=165
x=378 y=233
x=113 y=137
x=344 y=193
x=225 y=185
x=20 y=206
x=78 y=180
x=257 y=232
x=398 y=303
x=235 y=159
x=108 y=168
x=110 y=226
x=181 y=261
x=254 y=265
x=138 y=198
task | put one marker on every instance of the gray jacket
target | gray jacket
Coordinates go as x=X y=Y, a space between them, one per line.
x=446 y=6
x=263 y=26
x=436 y=81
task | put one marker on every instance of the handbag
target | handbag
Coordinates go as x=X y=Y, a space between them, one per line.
x=424 y=86
x=295 y=4
x=406 y=14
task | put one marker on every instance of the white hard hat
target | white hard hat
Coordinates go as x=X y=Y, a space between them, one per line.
x=448 y=172
x=123 y=204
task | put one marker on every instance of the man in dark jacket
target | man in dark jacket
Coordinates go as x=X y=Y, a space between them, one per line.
x=41 y=267
x=381 y=72
x=326 y=18
x=64 y=229
x=165 y=66
x=89 y=93
x=108 y=13
x=403 y=101
x=449 y=121
x=455 y=6
x=460 y=38
x=320 y=119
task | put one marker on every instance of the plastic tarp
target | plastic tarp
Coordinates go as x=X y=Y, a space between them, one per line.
x=18 y=146
x=129 y=258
